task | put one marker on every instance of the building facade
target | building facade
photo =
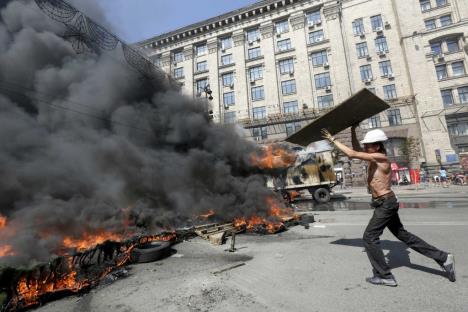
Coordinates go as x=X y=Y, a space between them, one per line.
x=276 y=65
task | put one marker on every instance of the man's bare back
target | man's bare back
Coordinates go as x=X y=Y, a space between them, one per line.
x=379 y=178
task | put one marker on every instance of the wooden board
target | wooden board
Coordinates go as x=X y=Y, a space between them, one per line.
x=357 y=108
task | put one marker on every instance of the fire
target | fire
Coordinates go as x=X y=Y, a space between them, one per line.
x=90 y=240
x=207 y=215
x=6 y=250
x=276 y=211
x=29 y=290
x=272 y=157
x=3 y=222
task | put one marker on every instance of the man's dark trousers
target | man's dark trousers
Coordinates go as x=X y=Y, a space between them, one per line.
x=386 y=215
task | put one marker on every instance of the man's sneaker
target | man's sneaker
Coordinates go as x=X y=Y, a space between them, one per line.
x=449 y=267
x=382 y=281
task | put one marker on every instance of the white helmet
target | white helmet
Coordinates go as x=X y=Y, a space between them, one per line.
x=374 y=136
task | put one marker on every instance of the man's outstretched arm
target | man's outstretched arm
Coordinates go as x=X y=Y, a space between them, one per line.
x=375 y=157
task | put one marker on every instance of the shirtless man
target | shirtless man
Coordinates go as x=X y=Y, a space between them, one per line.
x=385 y=206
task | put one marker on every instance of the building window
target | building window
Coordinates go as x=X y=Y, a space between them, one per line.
x=288 y=87
x=358 y=27
x=226 y=43
x=290 y=107
x=389 y=92
x=201 y=49
x=284 y=45
x=228 y=79
x=436 y=48
x=253 y=35
x=178 y=56
x=445 y=20
x=441 y=71
x=201 y=84
x=260 y=133
x=385 y=68
x=425 y=5
x=374 y=122
x=253 y=53
x=458 y=69
x=452 y=45
x=292 y=127
x=447 y=97
x=458 y=129
x=440 y=3
x=361 y=49
x=259 y=112
x=325 y=101
x=257 y=93
x=256 y=73
x=376 y=22
x=316 y=36
x=319 y=58
x=157 y=60
x=463 y=94
x=430 y=24
x=202 y=66
x=322 y=80
x=229 y=117
x=381 y=44
x=179 y=72
x=286 y=66
x=282 y=27
x=229 y=99
x=227 y=59
x=366 y=72
x=394 y=117
x=314 y=17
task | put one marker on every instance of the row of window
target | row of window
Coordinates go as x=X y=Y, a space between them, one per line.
x=448 y=99
x=457 y=70
x=443 y=21
x=426 y=5
x=393 y=115
x=385 y=68
x=376 y=25
x=380 y=44
x=251 y=36
x=288 y=107
x=458 y=129
x=448 y=45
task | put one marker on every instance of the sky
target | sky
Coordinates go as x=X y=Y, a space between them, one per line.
x=136 y=20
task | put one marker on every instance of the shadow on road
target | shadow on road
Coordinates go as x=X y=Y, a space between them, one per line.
x=397 y=256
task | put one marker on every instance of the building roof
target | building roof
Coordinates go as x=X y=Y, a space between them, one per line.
x=216 y=22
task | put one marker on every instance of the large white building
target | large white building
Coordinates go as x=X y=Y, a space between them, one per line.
x=277 y=64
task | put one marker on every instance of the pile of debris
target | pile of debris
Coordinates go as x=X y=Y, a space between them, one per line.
x=81 y=271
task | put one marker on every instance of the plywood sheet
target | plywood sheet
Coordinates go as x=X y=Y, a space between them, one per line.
x=357 y=108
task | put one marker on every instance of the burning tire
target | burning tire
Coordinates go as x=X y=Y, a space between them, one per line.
x=322 y=195
x=151 y=252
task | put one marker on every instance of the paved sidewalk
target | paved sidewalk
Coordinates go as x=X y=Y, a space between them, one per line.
x=416 y=189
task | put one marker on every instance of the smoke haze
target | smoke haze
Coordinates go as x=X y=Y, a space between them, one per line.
x=86 y=143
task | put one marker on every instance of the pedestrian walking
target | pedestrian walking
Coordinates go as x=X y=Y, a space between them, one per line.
x=443 y=176
x=386 y=207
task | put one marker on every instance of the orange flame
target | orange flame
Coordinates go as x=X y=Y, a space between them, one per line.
x=29 y=291
x=207 y=215
x=273 y=156
x=3 y=222
x=90 y=240
x=276 y=210
x=6 y=250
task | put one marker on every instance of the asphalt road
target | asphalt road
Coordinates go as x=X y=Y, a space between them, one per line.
x=317 y=269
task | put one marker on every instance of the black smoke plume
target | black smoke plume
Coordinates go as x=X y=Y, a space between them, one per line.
x=86 y=143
